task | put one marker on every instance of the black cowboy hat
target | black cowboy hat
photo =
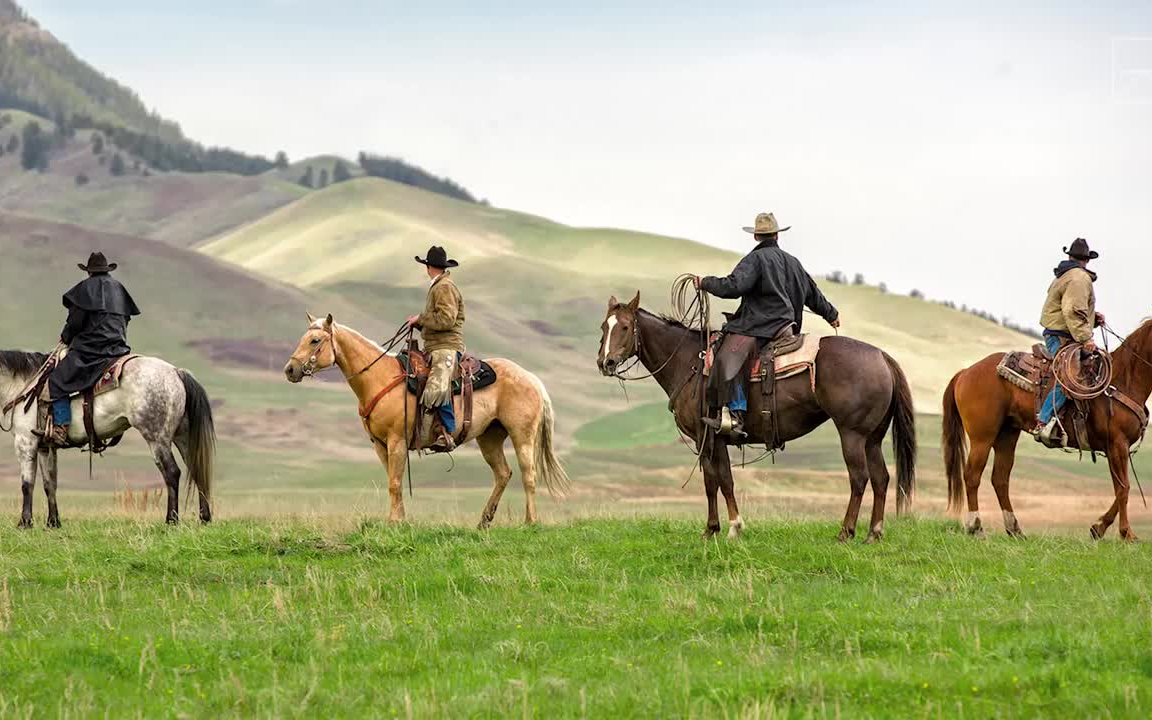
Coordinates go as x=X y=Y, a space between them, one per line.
x=437 y=258
x=1080 y=251
x=97 y=263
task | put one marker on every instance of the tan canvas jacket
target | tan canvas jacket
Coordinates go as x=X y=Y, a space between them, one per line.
x=1071 y=305
x=442 y=322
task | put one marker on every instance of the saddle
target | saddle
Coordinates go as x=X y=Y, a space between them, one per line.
x=108 y=382
x=471 y=374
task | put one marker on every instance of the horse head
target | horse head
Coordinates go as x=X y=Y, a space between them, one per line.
x=618 y=341
x=316 y=351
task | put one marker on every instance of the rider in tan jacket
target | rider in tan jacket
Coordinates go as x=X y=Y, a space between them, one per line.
x=442 y=327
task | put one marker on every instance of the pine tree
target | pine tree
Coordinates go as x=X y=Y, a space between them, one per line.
x=340 y=172
x=34 y=155
x=117 y=166
x=13 y=144
x=323 y=178
x=307 y=178
x=97 y=143
x=281 y=160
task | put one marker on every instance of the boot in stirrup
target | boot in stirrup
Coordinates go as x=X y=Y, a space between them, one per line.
x=56 y=436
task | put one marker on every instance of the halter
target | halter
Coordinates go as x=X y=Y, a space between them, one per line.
x=310 y=368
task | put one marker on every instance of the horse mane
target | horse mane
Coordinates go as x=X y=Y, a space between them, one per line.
x=21 y=363
x=678 y=324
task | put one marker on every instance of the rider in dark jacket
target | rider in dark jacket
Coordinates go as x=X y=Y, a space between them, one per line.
x=774 y=288
x=99 y=309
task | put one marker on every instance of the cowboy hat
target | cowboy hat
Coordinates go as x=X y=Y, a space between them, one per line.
x=1080 y=251
x=97 y=263
x=766 y=225
x=437 y=258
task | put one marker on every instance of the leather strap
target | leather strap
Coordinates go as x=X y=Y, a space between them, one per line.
x=1129 y=403
x=366 y=412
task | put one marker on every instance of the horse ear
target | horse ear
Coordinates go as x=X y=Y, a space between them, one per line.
x=635 y=304
x=310 y=318
x=613 y=302
x=328 y=322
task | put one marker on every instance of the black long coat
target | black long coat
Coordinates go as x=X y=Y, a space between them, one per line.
x=774 y=288
x=96 y=333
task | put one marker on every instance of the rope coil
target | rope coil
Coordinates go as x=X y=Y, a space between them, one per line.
x=1084 y=376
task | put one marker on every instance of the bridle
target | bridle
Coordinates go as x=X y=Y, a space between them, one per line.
x=634 y=355
x=311 y=367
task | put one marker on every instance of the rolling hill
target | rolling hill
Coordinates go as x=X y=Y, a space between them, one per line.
x=539 y=288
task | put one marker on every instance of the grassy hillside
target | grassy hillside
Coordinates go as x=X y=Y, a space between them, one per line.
x=518 y=270
x=592 y=619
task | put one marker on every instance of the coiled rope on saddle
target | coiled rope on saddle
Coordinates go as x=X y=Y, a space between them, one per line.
x=691 y=305
x=1084 y=376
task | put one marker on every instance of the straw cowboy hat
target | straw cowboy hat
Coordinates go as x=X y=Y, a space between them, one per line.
x=97 y=263
x=766 y=225
x=1080 y=251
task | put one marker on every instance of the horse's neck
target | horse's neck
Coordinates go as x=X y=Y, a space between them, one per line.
x=10 y=385
x=354 y=353
x=659 y=340
x=1132 y=372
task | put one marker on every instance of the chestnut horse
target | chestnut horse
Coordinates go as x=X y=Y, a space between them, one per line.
x=516 y=406
x=990 y=413
x=859 y=387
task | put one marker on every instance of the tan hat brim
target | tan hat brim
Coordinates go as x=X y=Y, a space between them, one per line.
x=753 y=230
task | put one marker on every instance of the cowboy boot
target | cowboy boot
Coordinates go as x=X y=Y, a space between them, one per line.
x=1049 y=435
x=55 y=436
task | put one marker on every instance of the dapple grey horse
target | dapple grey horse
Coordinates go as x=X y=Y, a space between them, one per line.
x=165 y=404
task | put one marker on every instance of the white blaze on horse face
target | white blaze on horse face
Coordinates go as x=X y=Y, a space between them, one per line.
x=608 y=337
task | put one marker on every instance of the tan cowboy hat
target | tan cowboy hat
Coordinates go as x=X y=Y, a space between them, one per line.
x=766 y=225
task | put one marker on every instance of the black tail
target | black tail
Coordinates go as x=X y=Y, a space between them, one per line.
x=903 y=437
x=201 y=455
x=955 y=447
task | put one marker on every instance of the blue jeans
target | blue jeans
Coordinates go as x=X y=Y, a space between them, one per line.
x=738 y=403
x=447 y=418
x=1056 y=398
x=62 y=411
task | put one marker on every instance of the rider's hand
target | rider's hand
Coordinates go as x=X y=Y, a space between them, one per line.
x=835 y=323
x=1100 y=319
x=1090 y=346
x=696 y=281
x=413 y=320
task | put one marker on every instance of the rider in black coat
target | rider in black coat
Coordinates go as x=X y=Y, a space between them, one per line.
x=96 y=332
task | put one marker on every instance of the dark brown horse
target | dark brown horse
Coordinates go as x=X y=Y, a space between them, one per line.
x=991 y=412
x=858 y=386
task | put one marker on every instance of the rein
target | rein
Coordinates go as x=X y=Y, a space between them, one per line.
x=309 y=368
x=9 y=408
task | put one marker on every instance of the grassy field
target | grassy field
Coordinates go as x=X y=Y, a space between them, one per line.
x=597 y=618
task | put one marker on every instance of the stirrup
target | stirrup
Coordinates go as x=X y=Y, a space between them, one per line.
x=725 y=425
x=1047 y=435
x=54 y=436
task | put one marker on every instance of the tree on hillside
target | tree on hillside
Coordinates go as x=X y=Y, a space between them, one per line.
x=13 y=144
x=117 y=166
x=916 y=294
x=281 y=160
x=323 y=178
x=5 y=120
x=859 y=279
x=340 y=172
x=97 y=144
x=397 y=170
x=837 y=277
x=307 y=178
x=34 y=155
x=81 y=180
x=883 y=287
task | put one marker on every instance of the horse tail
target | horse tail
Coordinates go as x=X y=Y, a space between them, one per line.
x=903 y=437
x=548 y=467
x=954 y=445
x=201 y=435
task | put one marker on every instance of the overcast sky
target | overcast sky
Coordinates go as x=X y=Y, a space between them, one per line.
x=954 y=150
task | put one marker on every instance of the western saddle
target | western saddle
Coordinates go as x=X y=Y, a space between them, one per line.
x=471 y=374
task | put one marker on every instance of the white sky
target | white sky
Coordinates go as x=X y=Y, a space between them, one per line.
x=954 y=150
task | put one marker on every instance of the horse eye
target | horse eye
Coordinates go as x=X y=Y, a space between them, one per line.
x=315 y=341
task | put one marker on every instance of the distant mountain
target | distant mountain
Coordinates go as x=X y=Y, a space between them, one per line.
x=40 y=74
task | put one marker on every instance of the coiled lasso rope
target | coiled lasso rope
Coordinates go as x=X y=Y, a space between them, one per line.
x=1082 y=380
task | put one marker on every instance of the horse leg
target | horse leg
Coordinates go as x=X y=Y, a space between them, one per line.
x=1118 y=467
x=26 y=454
x=1005 y=449
x=878 y=474
x=166 y=463
x=394 y=456
x=492 y=448
x=49 y=470
x=728 y=487
x=711 y=469
x=852 y=445
x=973 y=470
x=526 y=459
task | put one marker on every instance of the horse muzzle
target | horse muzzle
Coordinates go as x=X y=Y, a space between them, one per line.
x=609 y=367
x=294 y=371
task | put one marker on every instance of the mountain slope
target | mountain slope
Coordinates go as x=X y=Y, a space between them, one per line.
x=40 y=73
x=537 y=290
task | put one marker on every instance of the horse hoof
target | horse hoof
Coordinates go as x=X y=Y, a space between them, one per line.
x=873 y=538
x=54 y=523
x=1017 y=534
x=483 y=525
x=710 y=533
x=845 y=535
x=1129 y=537
x=1097 y=531
x=25 y=524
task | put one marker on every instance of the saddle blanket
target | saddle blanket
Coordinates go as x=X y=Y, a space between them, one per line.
x=481 y=378
x=1025 y=370
x=108 y=382
x=794 y=362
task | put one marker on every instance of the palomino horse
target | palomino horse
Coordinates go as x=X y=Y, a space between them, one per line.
x=516 y=406
x=858 y=386
x=991 y=412
x=166 y=405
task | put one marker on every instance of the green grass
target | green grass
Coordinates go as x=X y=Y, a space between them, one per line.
x=597 y=618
